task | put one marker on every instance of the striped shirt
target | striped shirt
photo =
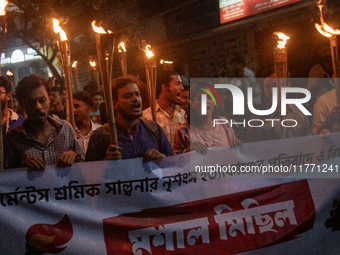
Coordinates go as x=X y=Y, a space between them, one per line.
x=167 y=123
x=19 y=144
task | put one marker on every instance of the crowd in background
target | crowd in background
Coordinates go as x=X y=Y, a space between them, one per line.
x=36 y=133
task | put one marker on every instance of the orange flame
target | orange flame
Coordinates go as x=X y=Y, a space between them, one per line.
x=100 y=30
x=92 y=63
x=3 y=4
x=121 y=47
x=324 y=29
x=9 y=73
x=165 y=62
x=50 y=75
x=57 y=29
x=74 y=65
x=283 y=37
x=148 y=52
x=46 y=237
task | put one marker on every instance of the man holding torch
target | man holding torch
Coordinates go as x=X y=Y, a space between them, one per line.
x=169 y=114
x=136 y=138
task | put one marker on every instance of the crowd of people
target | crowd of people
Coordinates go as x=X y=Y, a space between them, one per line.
x=36 y=133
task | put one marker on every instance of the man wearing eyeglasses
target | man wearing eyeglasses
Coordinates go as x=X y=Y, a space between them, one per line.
x=10 y=119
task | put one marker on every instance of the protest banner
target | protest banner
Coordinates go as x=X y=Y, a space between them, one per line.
x=167 y=207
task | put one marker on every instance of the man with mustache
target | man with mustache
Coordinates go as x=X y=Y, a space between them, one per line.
x=41 y=140
x=168 y=113
x=136 y=138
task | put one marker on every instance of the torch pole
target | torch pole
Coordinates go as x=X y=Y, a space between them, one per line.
x=151 y=78
x=335 y=62
x=51 y=81
x=3 y=27
x=280 y=60
x=64 y=49
x=123 y=62
x=97 y=79
x=105 y=58
x=75 y=78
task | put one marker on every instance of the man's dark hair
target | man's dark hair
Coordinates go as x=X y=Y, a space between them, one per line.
x=84 y=97
x=166 y=78
x=119 y=83
x=57 y=89
x=96 y=93
x=186 y=88
x=29 y=83
x=5 y=83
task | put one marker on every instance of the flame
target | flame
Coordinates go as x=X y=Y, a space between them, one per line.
x=148 y=52
x=121 y=47
x=100 y=30
x=9 y=73
x=46 y=237
x=3 y=4
x=50 y=75
x=166 y=62
x=324 y=29
x=74 y=65
x=92 y=63
x=283 y=37
x=57 y=29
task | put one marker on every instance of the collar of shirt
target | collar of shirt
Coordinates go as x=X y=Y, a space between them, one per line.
x=14 y=115
x=57 y=125
x=177 y=109
x=93 y=128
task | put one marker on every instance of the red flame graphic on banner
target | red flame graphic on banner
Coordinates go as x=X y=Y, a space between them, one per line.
x=46 y=237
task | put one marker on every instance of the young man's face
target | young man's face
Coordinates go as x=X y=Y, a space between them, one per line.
x=4 y=97
x=55 y=98
x=175 y=88
x=184 y=100
x=97 y=100
x=37 y=105
x=81 y=110
x=129 y=103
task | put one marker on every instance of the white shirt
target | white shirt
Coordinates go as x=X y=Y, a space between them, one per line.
x=83 y=140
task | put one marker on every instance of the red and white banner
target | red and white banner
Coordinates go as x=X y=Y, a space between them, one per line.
x=165 y=207
x=236 y=9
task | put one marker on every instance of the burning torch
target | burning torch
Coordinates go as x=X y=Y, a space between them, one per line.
x=75 y=75
x=65 y=52
x=51 y=80
x=105 y=49
x=280 y=61
x=10 y=77
x=332 y=34
x=122 y=58
x=93 y=64
x=151 y=79
x=3 y=30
